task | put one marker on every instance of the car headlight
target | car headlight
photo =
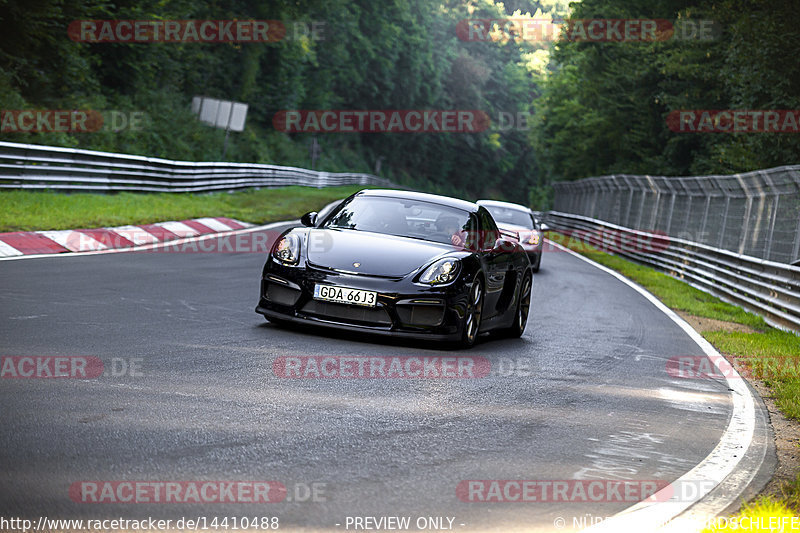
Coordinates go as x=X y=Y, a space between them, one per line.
x=287 y=249
x=442 y=271
x=533 y=237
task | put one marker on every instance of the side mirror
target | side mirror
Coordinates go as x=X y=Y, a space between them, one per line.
x=503 y=245
x=309 y=219
x=544 y=227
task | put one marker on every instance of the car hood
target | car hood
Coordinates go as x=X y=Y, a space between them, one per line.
x=377 y=254
x=517 y=229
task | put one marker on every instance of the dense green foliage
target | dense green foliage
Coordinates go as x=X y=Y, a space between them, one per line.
x=604 y=109
x=393 y=54
x=597 y=108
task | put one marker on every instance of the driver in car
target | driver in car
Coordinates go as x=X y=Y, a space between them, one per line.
x=450 y=226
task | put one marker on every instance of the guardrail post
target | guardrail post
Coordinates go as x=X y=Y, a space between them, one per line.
x=630 y=200
x=759 y=191
x=773 y=215
x=705 y=218
x=641 y=209
x=796 y=251
x=724 y=219
x=657 y=207
x=768 y=244
x=618 y=200
x=669 y=213
x=686 y=193
x=746 y=223
x=688 y=214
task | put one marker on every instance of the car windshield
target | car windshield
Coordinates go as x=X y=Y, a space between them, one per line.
x=510 y=216
x=402 y=217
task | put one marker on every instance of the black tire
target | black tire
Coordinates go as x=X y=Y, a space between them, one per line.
x=523 y=309
x=472 y=314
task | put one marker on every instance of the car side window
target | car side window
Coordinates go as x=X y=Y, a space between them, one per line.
x=488 y=230
x=473 y=235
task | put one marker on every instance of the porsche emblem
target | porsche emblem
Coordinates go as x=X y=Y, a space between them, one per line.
x=356 y=265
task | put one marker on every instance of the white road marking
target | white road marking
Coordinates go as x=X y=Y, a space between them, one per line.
x=213 y=223
x=178 y=228
x=135 y=234
x=74 y=241
x=6 y=250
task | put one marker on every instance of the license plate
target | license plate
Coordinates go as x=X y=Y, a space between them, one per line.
x=345 y=295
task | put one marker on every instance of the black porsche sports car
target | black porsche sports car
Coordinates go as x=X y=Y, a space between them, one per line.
x=403 y=264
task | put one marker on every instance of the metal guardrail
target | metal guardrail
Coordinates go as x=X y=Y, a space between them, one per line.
x=767 y=288
x=754 y=213
x=30 y=166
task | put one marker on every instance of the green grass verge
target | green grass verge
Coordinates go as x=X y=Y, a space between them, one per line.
x=768 y=354
x=47 y=210
x=772 y=356
x=755 y=517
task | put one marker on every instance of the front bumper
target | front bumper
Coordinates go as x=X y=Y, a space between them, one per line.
x=404 y=309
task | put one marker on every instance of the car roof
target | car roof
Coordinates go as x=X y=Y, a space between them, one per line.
x=425 y=197
x=508 y=205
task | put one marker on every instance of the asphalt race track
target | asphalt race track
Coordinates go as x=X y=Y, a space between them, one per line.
x=191 y=395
